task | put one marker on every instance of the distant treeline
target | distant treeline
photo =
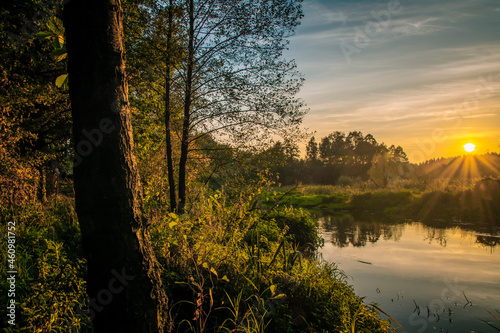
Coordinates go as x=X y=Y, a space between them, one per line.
x=468 y=166
x=345 y=159
x=339 y=158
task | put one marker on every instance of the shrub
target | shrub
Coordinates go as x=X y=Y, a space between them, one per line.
x=345 y=181
x=302 y=228
x=50 y=281
x=380 y=200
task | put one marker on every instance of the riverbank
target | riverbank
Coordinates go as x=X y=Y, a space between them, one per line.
x=226 y=267
x=473 y=202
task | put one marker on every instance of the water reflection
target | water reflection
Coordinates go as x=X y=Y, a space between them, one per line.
x=419 y=273
x=437 y=236
x=344 y=230
x=490 y=241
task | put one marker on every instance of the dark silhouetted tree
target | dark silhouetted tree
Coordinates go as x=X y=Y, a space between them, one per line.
x=312 y=151
x=123 y=276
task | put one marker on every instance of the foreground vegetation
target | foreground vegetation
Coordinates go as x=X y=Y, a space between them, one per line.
x=228 y=267
x=227 y=264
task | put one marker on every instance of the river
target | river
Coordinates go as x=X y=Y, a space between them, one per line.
x=442 y=277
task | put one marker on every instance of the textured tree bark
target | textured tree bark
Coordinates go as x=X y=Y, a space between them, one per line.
x=187 y=112
x=123 y=281
x=168 y=127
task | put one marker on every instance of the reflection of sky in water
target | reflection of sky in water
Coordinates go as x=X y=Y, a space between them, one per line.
x=407 y=262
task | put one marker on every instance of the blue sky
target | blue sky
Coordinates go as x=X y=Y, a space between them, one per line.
x=421 y=74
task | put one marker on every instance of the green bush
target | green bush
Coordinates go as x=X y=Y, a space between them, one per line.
x=264 y=231
x=221 y=277
x=50 y=280
x=478 y=204
x=217 y=278
x=380 y=200
x=320 y=300
x=302 y=228
x=345 y=181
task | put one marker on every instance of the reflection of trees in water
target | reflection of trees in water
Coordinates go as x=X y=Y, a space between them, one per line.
x=489 y=241
x=394 y=232
x=345 y=230
x=437 y=235
x=489 y=233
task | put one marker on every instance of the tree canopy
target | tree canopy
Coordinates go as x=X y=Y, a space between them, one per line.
x=213 y=68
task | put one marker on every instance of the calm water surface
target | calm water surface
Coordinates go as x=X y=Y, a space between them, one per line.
x=430 y=279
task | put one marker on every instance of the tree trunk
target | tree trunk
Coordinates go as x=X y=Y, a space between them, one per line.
x=123 y=281
x=168 y=128
x=187 y=113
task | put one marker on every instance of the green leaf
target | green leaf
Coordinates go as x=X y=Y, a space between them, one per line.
x=55 y=44
x=389 y=316
x=60 y=54
x=55 y=25
x=62 y=81
x=43 y=35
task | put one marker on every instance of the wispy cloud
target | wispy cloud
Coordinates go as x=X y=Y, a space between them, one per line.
x=423 y=61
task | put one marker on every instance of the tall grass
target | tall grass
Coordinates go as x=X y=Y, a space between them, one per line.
x=50 y=285
x=245 y=277
x=228 y=266
x=472 y=200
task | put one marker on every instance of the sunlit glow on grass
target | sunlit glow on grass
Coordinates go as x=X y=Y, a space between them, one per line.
x=467 y=167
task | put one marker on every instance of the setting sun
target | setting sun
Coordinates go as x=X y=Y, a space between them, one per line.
x=469 y=147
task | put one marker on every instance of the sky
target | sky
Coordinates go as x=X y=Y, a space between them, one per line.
x=421 y=74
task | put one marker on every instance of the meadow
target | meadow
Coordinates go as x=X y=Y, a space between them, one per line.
x=467 y=200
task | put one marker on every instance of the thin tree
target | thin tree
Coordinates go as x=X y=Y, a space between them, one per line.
x=169 y=67
x=237 y=84
x=188 y=99
x=123 y=280
x=223 y=71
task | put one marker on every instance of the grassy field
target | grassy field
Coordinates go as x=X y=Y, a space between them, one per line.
x=472 y=200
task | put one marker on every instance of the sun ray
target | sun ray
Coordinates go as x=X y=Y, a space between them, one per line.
x=488 y=164
x=453 y=168
x=469 y=168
